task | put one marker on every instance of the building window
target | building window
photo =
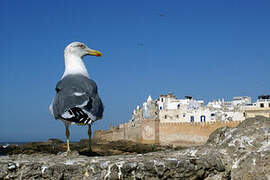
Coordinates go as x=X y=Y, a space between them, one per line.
x=160 y=107
x=212 y=116
x=161 y=99
x=177 y=116
x=184 y=115
x=178 y=106
x=165 y=117
x=268 y=104
x=229 y=118
x=261 y=105
x=192 y=119
x=202 y=118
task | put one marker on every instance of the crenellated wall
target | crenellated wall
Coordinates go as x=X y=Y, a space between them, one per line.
x=189 y=133
x=151 y=131
x=104 y=135
x=120 y=133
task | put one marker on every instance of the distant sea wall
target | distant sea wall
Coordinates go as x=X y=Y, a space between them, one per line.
x=152 y=131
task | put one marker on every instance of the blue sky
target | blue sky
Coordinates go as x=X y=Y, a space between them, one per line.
x=206 y=49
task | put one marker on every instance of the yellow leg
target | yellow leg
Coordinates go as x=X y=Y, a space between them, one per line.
x=89 y=136
x=67 y=135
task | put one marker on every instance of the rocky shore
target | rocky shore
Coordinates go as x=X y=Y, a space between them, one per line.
x=100 y=148
x=230 y=153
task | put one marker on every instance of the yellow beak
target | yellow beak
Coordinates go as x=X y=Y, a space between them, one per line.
x=94 y=53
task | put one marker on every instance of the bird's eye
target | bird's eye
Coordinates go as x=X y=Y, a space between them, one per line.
x=81 y=46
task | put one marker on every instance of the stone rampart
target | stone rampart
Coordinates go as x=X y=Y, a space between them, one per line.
x=123 y=133
x=189 y=133
x=104 y=135
x=133 y=133
x=151 y=131
x=118 y=134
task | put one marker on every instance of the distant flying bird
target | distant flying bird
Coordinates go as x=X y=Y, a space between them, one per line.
x=76 y=100
x=162 y=15
x=159 y=12
x=140 y=44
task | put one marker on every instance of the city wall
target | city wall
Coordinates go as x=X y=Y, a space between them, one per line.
x=120 y=133
x=151 y=131
x=189 y=133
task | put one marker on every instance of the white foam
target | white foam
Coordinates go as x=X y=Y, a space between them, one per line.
x=5 y=146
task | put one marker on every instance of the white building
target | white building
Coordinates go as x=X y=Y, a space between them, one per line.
x=241 y=100
x=263 y=101
x=166 y=102
x=170 y=109
x=236 y=102
x=260 y=108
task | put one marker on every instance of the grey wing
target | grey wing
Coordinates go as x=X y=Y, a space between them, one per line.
x=77 y=101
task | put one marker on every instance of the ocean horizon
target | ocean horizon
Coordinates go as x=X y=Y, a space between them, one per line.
x=13 y=143
x=6 y=143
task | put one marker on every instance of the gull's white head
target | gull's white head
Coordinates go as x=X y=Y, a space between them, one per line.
x=74 y=53
x=80 y=50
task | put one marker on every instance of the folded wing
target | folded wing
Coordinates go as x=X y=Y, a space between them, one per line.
x=77 y=100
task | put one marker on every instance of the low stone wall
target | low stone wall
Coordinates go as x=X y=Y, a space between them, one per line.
x=251 y=113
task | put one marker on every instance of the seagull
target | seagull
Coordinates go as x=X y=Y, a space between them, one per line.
x=76 y=100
